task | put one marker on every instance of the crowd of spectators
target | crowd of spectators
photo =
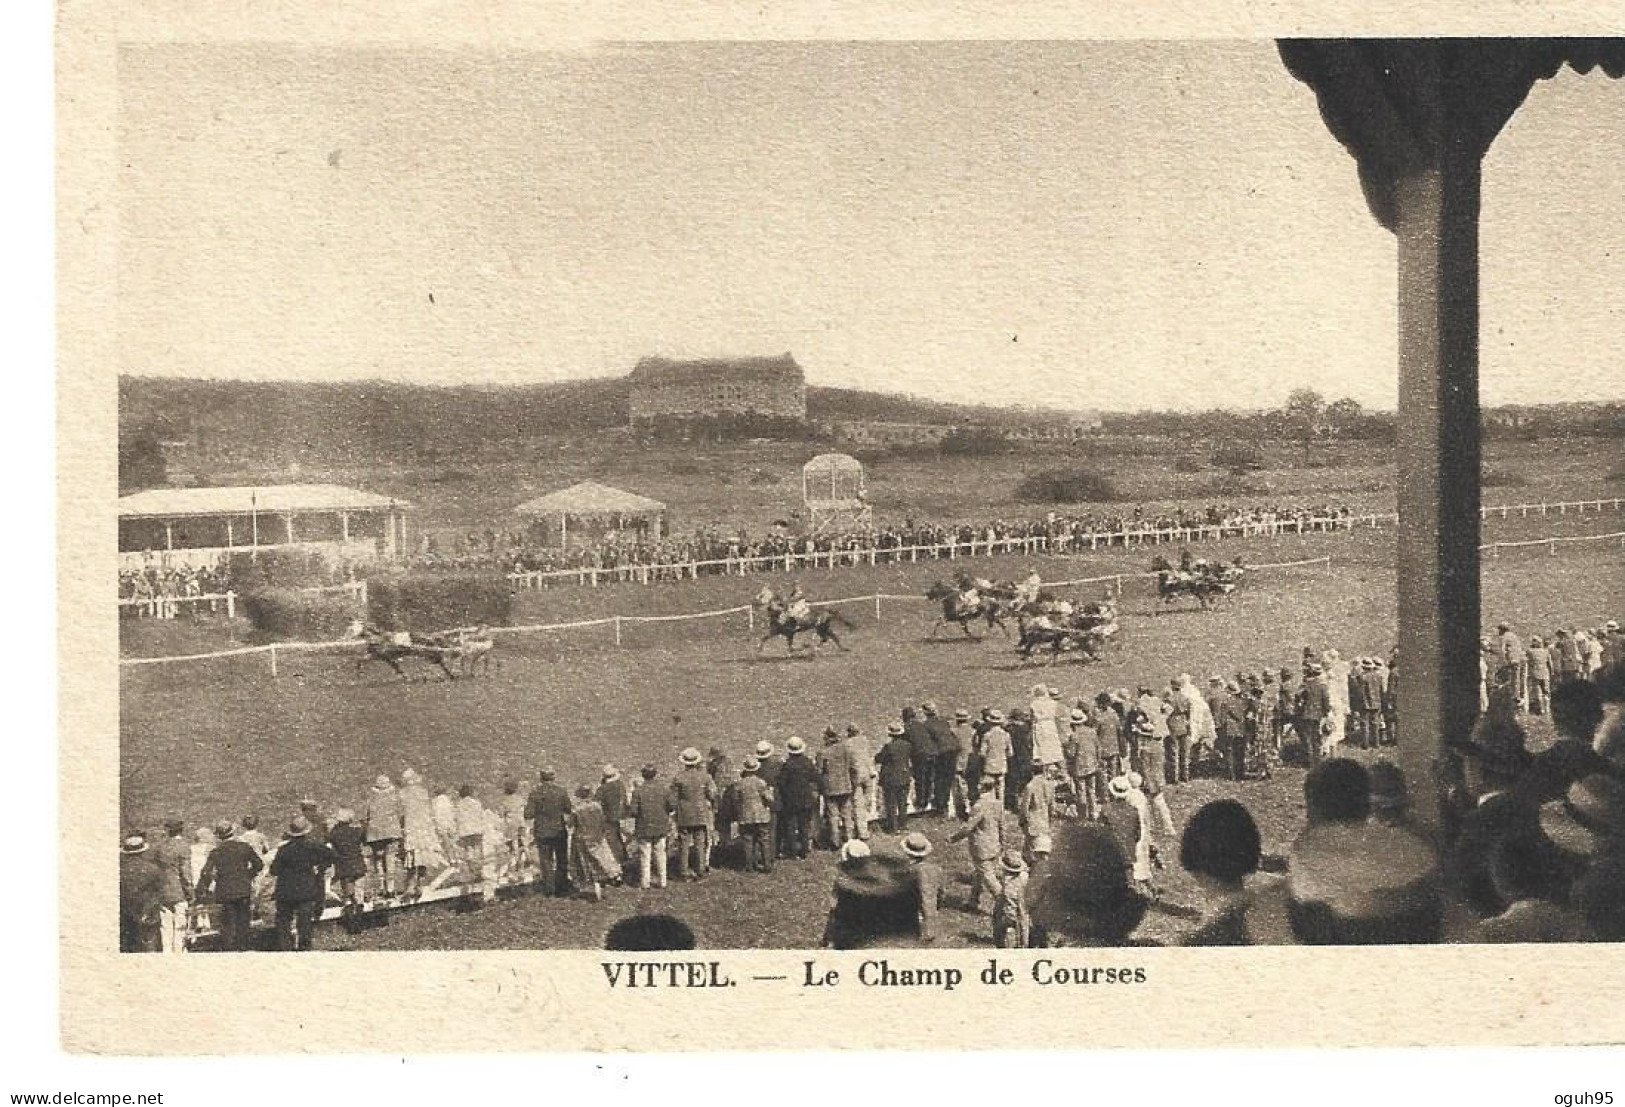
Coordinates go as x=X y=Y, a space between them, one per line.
x=1062 y=803
x=628 y=556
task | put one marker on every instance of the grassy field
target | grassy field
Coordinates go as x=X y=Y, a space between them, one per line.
x=751 y=485
x=223 y=738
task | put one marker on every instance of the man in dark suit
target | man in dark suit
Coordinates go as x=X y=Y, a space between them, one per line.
x=947 y=745
x=140 y=897
x=1314 y=706
x=895 y=759
x=228 y=879
x=548 y=809
x=798 y=792
x=300 y=868
x=923 y=743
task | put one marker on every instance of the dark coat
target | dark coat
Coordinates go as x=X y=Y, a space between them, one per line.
x=140 y=885
x=346 y=841
x=896 y=762
x=942 y=735
x=228 y=875
x=298 y=867
x=611 y=796
x=770 y=769
x=1314 y=701
x=798 y=787
x=920 y=740
x=651 y=809
x=548 y=806
x=1230 y=717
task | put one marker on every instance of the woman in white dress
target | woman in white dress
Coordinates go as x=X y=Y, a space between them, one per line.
x=1337 y=690
x=1046 y=734
x=423 y=851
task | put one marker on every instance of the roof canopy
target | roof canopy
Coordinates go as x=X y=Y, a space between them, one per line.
x=590 y=498
x=177 y=502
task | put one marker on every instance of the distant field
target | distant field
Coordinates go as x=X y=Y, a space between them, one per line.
x=221 y=738
x=752 y=485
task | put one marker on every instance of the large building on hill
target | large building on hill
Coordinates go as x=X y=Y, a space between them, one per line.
x=670 y=392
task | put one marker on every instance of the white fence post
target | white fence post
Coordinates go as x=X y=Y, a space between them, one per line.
x=273 y=659
x=231 y=605
x=877 y=607
x=617 y=630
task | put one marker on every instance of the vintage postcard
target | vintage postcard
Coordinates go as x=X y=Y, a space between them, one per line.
x=578 y=527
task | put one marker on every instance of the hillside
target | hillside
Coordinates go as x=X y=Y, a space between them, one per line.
x=227 y=421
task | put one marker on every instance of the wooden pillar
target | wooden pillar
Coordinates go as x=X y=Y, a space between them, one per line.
x=1438 y=462
x=344 y=526
x=229 y=537
x=287 y=520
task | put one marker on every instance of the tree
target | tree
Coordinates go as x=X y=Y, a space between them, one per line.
x=1305 y=413
x=1344 y=417
x=140 y=461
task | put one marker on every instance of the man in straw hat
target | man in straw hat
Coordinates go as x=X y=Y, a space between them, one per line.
x=1011 y=929
x=928 y=876
x=798 y=799
x=300 y=869
x=140 y=896
x=694 y=795
x=895 y=760
x=1313 y=712
x=996 y=748
x=753 y=799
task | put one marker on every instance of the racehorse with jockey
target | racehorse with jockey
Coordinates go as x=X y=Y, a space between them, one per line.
x=1196 y=577
x=793 y=615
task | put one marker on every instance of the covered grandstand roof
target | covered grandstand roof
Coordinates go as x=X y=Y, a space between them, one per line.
x=590 y=498
x=176 y=502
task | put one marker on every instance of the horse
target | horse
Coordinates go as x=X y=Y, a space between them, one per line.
x=1086 y=634
x=1205 y=586
x=471 y=646
x=781 y=625
x=393 y=648
x=987 y=608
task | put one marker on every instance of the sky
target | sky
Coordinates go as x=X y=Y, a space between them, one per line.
x=1111 y=225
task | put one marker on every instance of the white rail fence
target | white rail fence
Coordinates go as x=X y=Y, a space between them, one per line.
x=618 y=622
x=219 y=603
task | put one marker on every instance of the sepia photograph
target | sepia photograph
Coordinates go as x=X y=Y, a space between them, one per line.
x=707 y=528
x=846 y=495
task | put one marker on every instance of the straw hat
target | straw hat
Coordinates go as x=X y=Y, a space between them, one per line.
x=917 y=845
x=1012 y=863
x=1119 y=787
x=410 y=776
x=383 y=783
x=995 y=716
x=610 y=773
x=691 y=757
x=133 y=844
x=1079 y=715
x=298 y=827
x=854 y=850
x=795 y=746
x=750 y=765
x=764 y=748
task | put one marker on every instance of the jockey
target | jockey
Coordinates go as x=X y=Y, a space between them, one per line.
x=797 y=607
x=1027 y=590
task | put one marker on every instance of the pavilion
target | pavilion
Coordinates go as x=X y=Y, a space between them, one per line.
x=193 y=527
x=1418 y=115
x=589 y=510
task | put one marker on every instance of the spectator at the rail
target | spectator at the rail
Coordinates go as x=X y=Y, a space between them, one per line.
x=754 y=809
x=798 y=799
x=471 y=827
x=995 y=751
x=1045 y=709
x=1538 y=666
x=173 y=856
x=1012 y=929
x=1020 y=772
x=141 y=893
x=253 y=836
x=895 y=761
x=384 y=832
x=985 y=829
x=928 y=878
x=1083 y=763
x=420 y=838
x=651 y=809
x=348 y=843
x=837 y=782
x=1177 y=746
x=769 y=765
x=594 y=862
x=923 y=757
x=864 y=801
x=947 y=743
x=299 y=868
x=694 y=800
x=612 y=795
x=227 y=880
x=548 y=809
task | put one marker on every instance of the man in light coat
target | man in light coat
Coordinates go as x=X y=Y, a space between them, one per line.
x=694 y=802
x=996 y=748
x=864 y=799
x=985 y=829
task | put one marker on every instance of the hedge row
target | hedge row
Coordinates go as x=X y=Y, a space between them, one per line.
x=287 y=614
x=434 y=601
